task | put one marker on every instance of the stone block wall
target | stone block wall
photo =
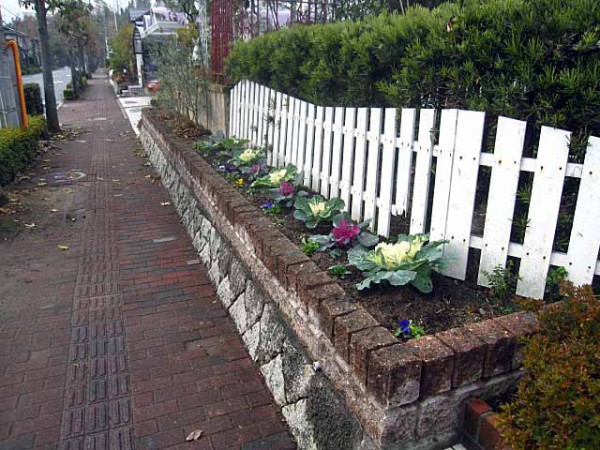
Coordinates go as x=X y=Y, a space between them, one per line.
x=372 y=392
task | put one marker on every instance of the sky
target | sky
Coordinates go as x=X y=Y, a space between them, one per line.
x=10 y=8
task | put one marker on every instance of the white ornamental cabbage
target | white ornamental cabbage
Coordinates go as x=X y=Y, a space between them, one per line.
x=408 y=261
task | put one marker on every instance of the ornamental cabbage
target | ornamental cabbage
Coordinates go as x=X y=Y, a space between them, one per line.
x=316 y=209
x=408 y=261
x=246 y=158
x=346 y=233
x=274 y=178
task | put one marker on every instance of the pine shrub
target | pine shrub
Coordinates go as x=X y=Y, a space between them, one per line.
x=537 y=61
x=557 y=405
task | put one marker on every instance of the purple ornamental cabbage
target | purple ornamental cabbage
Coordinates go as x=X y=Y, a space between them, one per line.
x=286 y=188
x=344 y=232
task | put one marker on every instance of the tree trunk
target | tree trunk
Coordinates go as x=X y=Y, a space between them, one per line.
x=81 y=54
x=49 y=95
x=74 y=79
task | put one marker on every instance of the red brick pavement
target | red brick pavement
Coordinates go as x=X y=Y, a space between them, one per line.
x=123 y=345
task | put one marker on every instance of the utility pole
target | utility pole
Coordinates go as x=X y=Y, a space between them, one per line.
x=116 y=25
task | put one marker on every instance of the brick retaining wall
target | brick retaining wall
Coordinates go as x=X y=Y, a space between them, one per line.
x=373 y=391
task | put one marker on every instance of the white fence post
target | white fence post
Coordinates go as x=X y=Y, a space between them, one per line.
x=443 y=174
x=465 y=169
x=543 y=211
x=422 y=172
x=348 y=156
x=405 y=157
x=585 y=235
x=508 y=150
x=387 y=173
x=360 y=156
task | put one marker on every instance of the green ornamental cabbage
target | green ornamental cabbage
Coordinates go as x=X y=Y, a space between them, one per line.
x=316 y=210
x=409 y=261
x=274 y=178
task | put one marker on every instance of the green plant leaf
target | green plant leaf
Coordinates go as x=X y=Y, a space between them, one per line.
x=300 y=215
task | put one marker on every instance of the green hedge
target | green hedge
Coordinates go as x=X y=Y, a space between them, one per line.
x=19 y=148
x=33 y=99
x=531 y=60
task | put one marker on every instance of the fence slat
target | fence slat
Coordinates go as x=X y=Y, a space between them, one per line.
x=504 y=181
x=261 y=116
x=373 y=138
x=276 y=128
x=249 y=109
x=348 y=156
x=301 y=156
x=242 y=109
x=360 y=156
x=387 y=173
x=405 y=157
x=270 y=123
x=296 y=139
x=443 y=174
x=283 y=130
x=469 y=135
x=424 y=147
x=336 y=159
x=318 y=149
x=585 y=235
x=232 y=109
x=252 y=109
x=246 y=130
x=543 y=210
x=327 y=136
x=290 y=130
x=310 y=141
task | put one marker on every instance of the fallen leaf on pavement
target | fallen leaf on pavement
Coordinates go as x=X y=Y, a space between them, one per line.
x=63 y=247
x=31 y=225
x=42 y=184
x=54 y=210
x=194 y=436
x=165 y=203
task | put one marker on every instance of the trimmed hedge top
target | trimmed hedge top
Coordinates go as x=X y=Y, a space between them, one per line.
x=19 y=147
x=531 y=60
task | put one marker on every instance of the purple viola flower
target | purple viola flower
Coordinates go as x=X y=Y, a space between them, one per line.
x=404 y=326
x=286 y=188
x=230 y=168
x=267 y=205
x=222 y=167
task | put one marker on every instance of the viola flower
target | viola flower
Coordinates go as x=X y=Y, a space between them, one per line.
x=286 y=188
x=344 y=232
x=222 y=168
x=267 y=205
x=404 y=327
x=239 y=182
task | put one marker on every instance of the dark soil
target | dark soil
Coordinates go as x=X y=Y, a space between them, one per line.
x=452 y=303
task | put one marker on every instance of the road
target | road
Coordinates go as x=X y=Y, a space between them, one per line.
x=61 y=78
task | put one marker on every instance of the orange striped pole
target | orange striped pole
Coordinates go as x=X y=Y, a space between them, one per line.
x=15 y=51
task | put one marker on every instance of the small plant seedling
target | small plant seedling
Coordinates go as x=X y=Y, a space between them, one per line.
x=556 y=277
x=503 y=281
x=339 y=271
x=308 y=247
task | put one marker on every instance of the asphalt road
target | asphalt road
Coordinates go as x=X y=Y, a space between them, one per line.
x=61 y=78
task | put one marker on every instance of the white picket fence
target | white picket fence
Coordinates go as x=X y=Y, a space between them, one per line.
x=380 y=170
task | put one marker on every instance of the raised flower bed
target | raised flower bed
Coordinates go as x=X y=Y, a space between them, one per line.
x=342 y=378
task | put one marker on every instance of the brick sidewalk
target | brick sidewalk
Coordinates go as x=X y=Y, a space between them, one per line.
x=123 y=343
